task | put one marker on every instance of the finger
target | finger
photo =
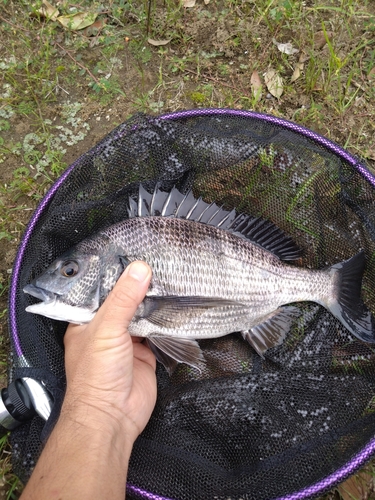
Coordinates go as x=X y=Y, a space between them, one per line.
x=121 y=304
x=143 y=353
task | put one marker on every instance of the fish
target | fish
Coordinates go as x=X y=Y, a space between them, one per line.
x=214 y=272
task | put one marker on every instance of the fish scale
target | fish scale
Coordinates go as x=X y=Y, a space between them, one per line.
x=215 y=263
x=214 y=272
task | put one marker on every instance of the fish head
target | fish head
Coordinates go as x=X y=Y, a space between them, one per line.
x=73 y=287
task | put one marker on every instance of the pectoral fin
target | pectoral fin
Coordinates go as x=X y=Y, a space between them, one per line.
x=171 y=350
x=173 y=311
x=272 y=329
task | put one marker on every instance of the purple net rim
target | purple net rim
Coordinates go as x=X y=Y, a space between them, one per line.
x=360 y=458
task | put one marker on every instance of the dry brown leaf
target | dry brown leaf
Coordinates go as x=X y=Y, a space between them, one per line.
x=78 y=20
x=320 y=39
x=94 y=29
x=256 y=85
x=188 y=3
x=297 y=72
x=206 y=2
x=157 y=43
x=371 y=75
x=371 y=156
x=49 y=11
x=303 y=57
x=274 y=83
x=356 y=486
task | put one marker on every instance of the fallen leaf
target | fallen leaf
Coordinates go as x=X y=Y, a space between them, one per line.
x=285 y=48
x=356 y=486
x=274 y=83
x=320 y=39
x=78 y=20
x=95 y=27
x=371 y=75
x=256 y=85
x=94 y=41
x=157 y=43
x=188 y=3
x=49 y=11
x=206 y=2
x=303 y=57
x=371 y=156
x=297 y=72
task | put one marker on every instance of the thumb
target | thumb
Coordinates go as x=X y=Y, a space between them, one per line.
x=121 y=304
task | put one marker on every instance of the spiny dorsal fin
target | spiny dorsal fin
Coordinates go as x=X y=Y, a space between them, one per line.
x=174 y=204
x=158 y=201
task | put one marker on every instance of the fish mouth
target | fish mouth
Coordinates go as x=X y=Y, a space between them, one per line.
x=53 y=307
x=40 y=293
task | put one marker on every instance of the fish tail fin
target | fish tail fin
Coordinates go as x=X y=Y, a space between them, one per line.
x=348 y=306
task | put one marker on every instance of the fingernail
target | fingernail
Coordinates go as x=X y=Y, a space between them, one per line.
x=138 y=271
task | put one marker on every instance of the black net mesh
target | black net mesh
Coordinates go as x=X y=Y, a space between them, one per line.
x=243 y=428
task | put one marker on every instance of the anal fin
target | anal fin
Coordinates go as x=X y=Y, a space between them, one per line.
x=172 y=350
x=271 y=330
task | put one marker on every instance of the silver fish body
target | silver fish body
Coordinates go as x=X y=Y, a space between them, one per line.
x=214 y=273
x=195 y=260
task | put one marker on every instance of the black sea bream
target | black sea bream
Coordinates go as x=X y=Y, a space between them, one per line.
x=214 y=272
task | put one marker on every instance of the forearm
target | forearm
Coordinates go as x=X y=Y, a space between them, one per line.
x=87 y=455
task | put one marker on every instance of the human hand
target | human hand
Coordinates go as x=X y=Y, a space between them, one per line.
x=110 y=375
x=111 y=392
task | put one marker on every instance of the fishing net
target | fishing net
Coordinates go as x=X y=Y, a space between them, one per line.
x=290 y=425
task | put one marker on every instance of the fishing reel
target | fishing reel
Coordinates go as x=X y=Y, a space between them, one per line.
x=23 y=399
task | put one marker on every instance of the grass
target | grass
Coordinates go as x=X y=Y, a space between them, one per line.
x=10 y=483
x=61 y=89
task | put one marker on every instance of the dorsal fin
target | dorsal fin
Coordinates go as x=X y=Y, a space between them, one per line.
x=175 y=204
x=158 y=201
x=144 y=202
x=267 y=235
x=132 y=209
x=186 y=207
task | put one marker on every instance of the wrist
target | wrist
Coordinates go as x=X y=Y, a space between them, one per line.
x=98 y=417
x=87 y=452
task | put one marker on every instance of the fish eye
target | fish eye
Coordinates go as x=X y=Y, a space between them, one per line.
x=69 y=269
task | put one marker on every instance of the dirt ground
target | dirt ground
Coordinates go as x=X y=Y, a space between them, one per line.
x=71 y=87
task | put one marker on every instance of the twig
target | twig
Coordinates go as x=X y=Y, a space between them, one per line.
x=116 y=19
x=38 y=106
x=56 y=88
x=148 y=17
x=358 y=85
x=241 y=89
x=214 y=80
x=13 y=25
x=265 y=50
x=78 y=63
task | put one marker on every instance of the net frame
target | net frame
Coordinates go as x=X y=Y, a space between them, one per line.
x=367 y=451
